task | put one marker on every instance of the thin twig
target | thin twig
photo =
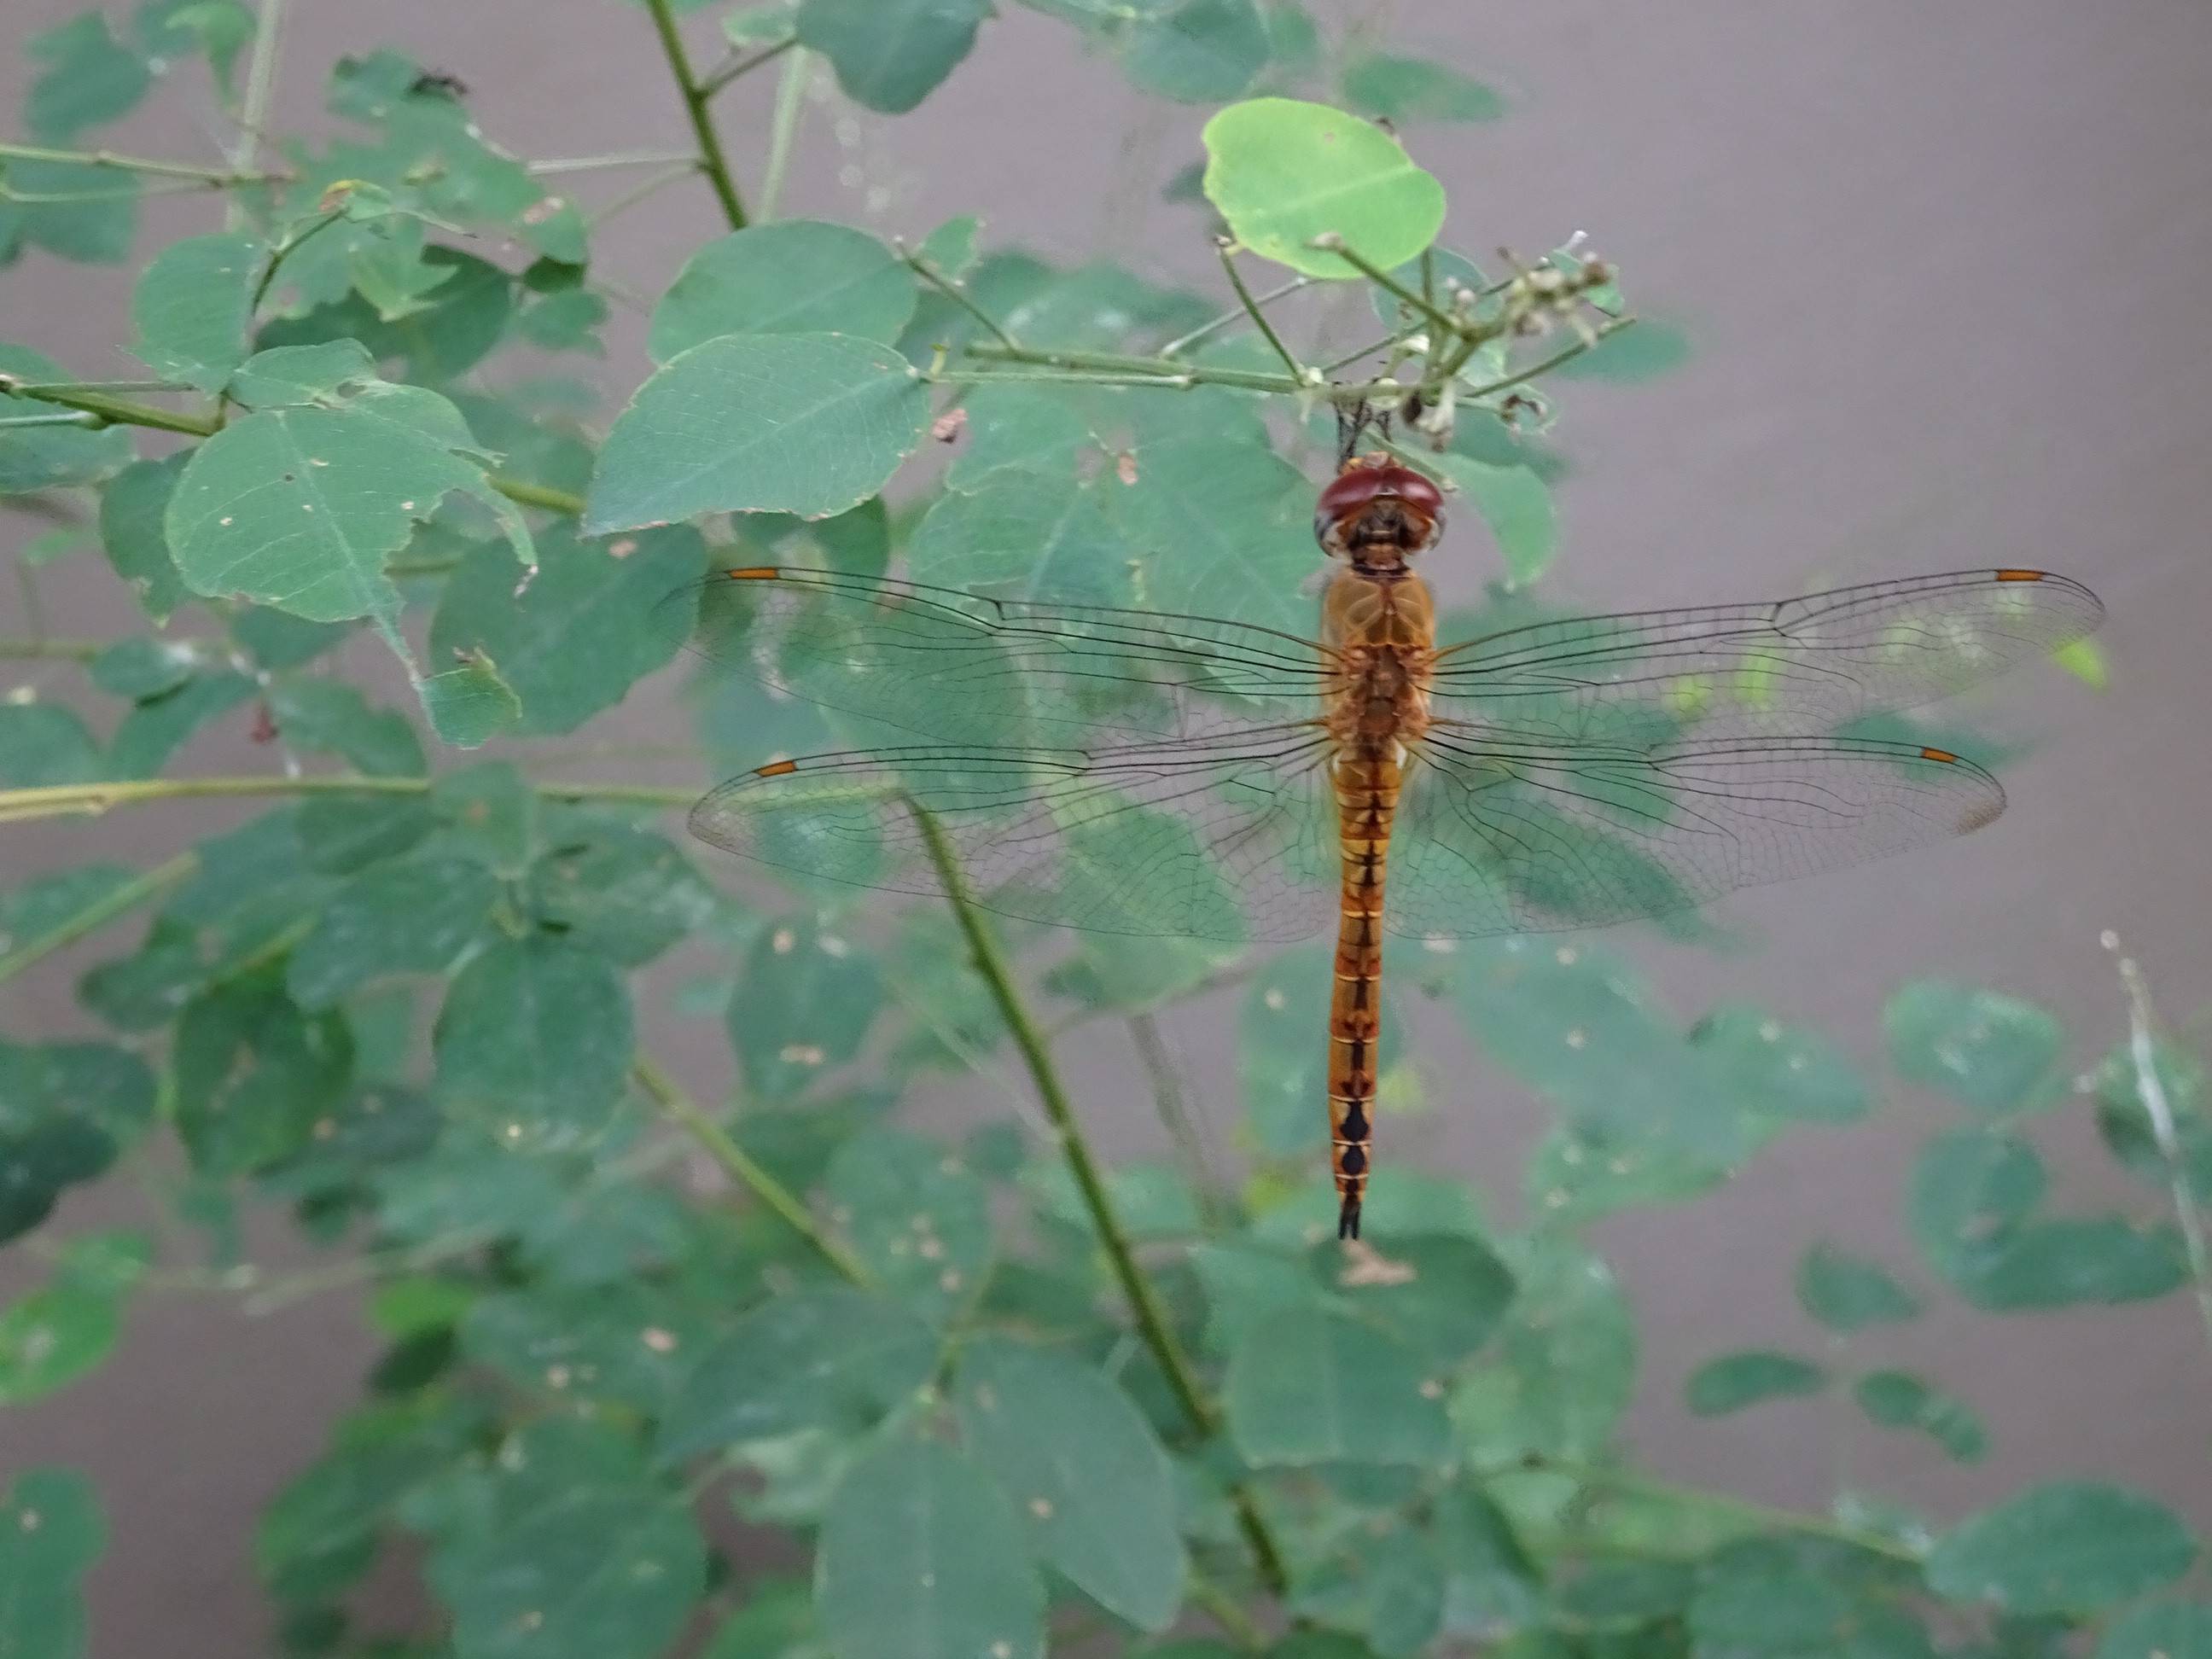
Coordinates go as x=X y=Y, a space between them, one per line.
x=644 y=188
x=715 y=163
x=1332 y=243
x=715 y=1141
x=783 y=131
x=626 y=158
x=1184 y=342
x=100 y=912
x=92 y=799
x=2150 y=1087
x=1546 y=365
x=1143 y=1305
x=954 y=290
x=62 y=650
x=737 y=65
x=1298 y=371
x=260 y=84
x=215 y=178
x=60 y=417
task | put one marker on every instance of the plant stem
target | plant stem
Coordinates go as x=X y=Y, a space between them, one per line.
x=117 y=411
x=644 y=188
x=99 y=913
x=1383 y=280
x=1546 y=365
x=711 y=159
x=1118 y=368
x=627 y=158
x=955 y=291
x=1642 y=1486
x=213 y=178
x=1227 y=1612
x=1151 y=1320
x=737 y=67
x=2150 y=1088
x=1184 y=342
x=64 y=650
x=260 y=84
x=91 y=799
x=60 y=417
x=783 y=129
x=715 y=1141
x=1298 y=372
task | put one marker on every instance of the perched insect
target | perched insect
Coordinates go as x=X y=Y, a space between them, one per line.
x=1135 y=772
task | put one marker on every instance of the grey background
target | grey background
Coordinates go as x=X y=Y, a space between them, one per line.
x=1943 y=269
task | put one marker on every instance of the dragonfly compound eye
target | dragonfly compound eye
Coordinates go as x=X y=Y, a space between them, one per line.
x=1377 y=502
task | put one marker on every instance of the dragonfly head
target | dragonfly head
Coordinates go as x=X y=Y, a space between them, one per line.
x=1376 y=506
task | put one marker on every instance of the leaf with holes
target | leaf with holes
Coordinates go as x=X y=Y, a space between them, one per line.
x=918 y=1219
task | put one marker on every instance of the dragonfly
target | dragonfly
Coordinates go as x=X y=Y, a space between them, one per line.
x=1129 y=771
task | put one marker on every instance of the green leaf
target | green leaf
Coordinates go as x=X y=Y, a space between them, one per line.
x=1283 y=1069
x=132 y=505
x=193 y=308
x=67 y=1328
x=793 y=276
x=43 y=744
x=409 y=916
x=804 y=1002
x=806 y=423
x=253 y=1074
x=1196 y=51
x=1024 y=533
x=153 y=732
x=1733 y=1380
x=622 y=892
x=329 y=717
x=1898 y=1399
x=1847 y=1292
x=471 y=703
x=2063 y=1546
x=1241 y=558
x=1086 y=1471
x=140 y=668
x=1440 y=1294
x=1798 y=1599
x=1780 y=1072
x=73 y=209
x=569 y=1550
x=623 y=1342
x=49 y=457
x=920 y=1558
x=300 y=506
x=1283 y=173
x=1516 y=504
x=90 y=78
x=51 y=1534
x=2162 y=1630
x=829 y=1359
x=535 y=1038
x=1989 y=1051
x=1305 y=1388
x=890 y=54
x=919 y=1219
x=1018 y=427
x=1410 y=90
x=571 y=639
x=1565 y=1368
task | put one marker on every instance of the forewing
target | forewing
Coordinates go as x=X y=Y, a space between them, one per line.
x=956 y=668
x=1646 y=678
x=1497 y=837
x=1229 y=836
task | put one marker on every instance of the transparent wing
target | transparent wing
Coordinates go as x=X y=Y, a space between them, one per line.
x=1229 y=836
x=1801 y=666
x=957 y=668
x=1498 y=834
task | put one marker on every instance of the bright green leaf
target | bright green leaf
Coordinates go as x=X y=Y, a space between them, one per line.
x=890 y=54
x=1306 y=1389
x=806 y=423
x=471 y=703
x=1733 y=1380
x=131 y=504
x=793 y=276
x=2063 y=1546
x=1283 y=173
x=1084 y=1470
x=1780 y=1072
x=920 y=1558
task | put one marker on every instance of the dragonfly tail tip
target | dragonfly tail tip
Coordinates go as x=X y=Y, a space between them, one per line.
x=1347 y=1219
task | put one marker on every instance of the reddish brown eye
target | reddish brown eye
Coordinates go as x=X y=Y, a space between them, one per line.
x=1350 y=491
